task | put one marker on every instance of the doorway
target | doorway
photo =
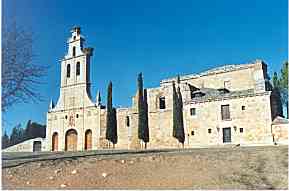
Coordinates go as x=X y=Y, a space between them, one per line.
x=71 y=140
x=227 y=135
x=36 y=146
x=88 y=140
x=55 y=142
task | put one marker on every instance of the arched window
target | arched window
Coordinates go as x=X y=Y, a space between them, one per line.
x=68 y=71
x=73 y=51
x=162 y=101
x=127 y=121
x=78 y=68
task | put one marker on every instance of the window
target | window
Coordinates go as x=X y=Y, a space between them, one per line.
x=243 y=107
x=197 y=94
x=241 y=130
x=65 y=116
x=192 y=133
x=162 y=103
x=73 y=51
x=68 y=71
x=227 y=84
x=127 y=121
x=209 y=130
x=193 y=111
x=78 y=68
x=76 y=115
x=74 y=37
x=223 y=90
x=225 y=112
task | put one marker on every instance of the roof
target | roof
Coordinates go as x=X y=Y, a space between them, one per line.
x=213 y=94
x=221 y=69
x=210 y=94
x=280 y=120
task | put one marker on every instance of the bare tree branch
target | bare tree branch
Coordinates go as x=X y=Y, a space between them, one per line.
x=20 y=76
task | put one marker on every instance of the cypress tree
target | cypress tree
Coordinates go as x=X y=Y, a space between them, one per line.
x=175 y=111
x=111 y=125
x=146 y=119
x=181 y=131
x=143 y=131
x=178 y=123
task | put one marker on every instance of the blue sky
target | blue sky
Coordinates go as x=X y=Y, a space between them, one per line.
x=160 y=38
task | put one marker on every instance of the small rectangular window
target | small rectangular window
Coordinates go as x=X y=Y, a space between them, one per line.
x=241 y=130
x=127 y=121
x=162 y=103
x=209 y=130
x=243 y=107
x=227 y=84
x=225 y=112
x=193 y=111
x=192 y=133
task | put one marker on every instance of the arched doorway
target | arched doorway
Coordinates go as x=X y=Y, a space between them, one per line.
x=55 y=142
x=88 y=140
x=71 y=140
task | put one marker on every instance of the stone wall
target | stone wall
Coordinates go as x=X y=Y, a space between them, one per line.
x=250 y=113
x=26 y=146
x=250 y=76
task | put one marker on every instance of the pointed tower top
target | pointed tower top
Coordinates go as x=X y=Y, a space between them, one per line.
x=98 y=98
x=51 y=105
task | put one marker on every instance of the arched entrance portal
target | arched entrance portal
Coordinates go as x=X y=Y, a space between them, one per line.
x=55 y=142
x=71 y=140
x=88 y=140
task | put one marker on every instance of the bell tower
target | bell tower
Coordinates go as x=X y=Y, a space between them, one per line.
x=75 y=73
x=75 y=67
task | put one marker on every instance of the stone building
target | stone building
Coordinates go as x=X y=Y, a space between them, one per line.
x=233 y=104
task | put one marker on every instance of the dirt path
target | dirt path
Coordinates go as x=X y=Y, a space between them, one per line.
x=227 y=168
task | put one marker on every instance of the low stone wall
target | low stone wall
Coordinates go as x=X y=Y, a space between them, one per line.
x=26 y=146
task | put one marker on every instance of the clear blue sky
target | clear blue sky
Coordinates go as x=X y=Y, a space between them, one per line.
x=160 y=38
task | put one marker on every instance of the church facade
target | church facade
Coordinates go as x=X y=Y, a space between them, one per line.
x=233 y=104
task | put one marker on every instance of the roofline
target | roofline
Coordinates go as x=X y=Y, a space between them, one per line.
x=212 y=72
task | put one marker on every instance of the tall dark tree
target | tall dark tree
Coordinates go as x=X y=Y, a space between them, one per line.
x=178 y=123
x=28 y=130
x=111 y=123
x=34 y=130
x=280 y=84
x=17 y=135
x=146 y=119
x=143 y=130
x=181 y=131
x=175 y=111
x=5 y=141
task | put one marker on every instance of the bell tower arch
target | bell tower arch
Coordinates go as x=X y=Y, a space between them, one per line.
x=75 y=73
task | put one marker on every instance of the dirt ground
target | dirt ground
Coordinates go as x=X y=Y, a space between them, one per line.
x=224 y=168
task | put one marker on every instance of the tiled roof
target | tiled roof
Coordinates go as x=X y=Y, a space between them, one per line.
x=210 y=94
